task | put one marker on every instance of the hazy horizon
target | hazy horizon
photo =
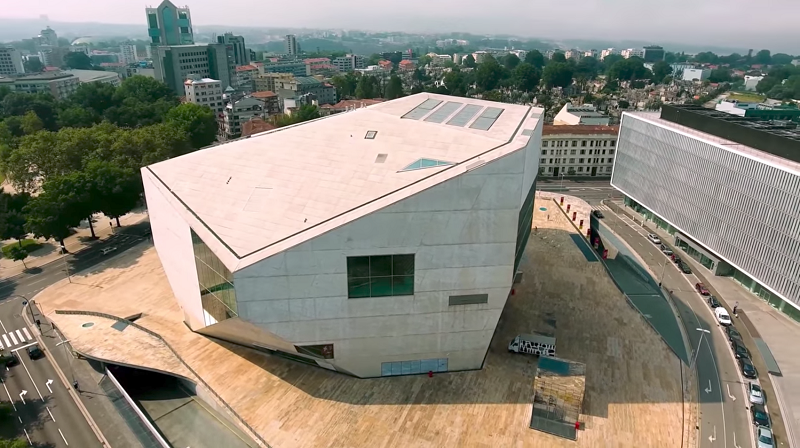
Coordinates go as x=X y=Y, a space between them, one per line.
x=722 y=23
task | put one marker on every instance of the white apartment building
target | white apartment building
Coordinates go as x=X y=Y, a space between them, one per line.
x=290 y=44
x=349 y=62
x=58 y=84
x=205 y=92
x=750 y=82
x=239 y=112
x=696 y=74
x=128 y=53
x=379 y=242
x=607 y=52
x=519 y=53
x=580 y=150
x=632 y=52
x=590 y=54
x=480 y=56
x=10 y=61
x=439 y=59
x=583 y=114
x=572 y=54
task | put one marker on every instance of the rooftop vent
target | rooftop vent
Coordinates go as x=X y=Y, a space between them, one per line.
x=371 y=135
x=381 y=158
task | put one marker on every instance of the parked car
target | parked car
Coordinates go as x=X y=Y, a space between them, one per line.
x=739 y=350
x=764 y=438
x=701 y=288
x=598 y=214
x=733 y=334
x=10 y=359
x=108 y=250
x=759 y=415
x=747 y=368
x=685 y=268
x=722 y=316
x=34 y=352
x=676 y=259
x=756 y=394
x=713 y=302
x=666 y=250
x=654 y=238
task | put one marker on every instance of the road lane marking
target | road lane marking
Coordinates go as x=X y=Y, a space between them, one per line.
x=4 y=327
x=24 y=346
x=713 y=437
x=51 y=414
x=62 y=436
x=708 y=389
x=22 y=394
x=28 y=335
x=729 y=394
x=21 y=339
x=9 y=397
x=29 y=437
x=13 y=338
x=31 y=378
x=48 y=383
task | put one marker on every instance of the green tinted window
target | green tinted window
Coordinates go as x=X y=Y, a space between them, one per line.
x=217 y=294
x=380 y=276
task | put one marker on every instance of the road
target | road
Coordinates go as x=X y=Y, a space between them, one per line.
x=724 y=418
x=591 y=191
x=45 y=412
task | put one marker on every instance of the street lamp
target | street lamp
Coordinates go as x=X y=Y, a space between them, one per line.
x=702 y=333
x=69 y=356
x=27 y=302
x=562 y=181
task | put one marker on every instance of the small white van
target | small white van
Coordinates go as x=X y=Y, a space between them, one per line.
x=722 y=316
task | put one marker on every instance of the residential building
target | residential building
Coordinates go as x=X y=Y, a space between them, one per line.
x=519 y=53
x=573 y=54
x=271 y=82
x=696 y=74
x=458 y=58
x=345 y=105
x=175 y=64
x=320 y=66
x=296 y=68
x=120 y=68
x=439 y=59
x=100 y=57
x=48 y=37
x=591 y=54
x=141 y=69
x=290 y=43
x=726 y=188
x=241 y=111
x=128 y=53
x=244 y=78
x=578 y=150
x=349 y=63
x=241 y=56
x=270 y=100
x=88 y=76
x=653 y=53
x=256 y=125
x=407 y=66
x=301 y=85
x=58 y=84
x=386 y=66
x=584 y=114
x=205 y=92
x=480 y=56
x=796 y=62
x=53 y=56
x=750 y=82
x=759 y=111
x=345 y=244
x=607 y=52
x=632 y=53
x=10 y=61
x=168 y=24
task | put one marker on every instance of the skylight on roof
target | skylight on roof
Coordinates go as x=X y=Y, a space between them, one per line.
x=426 y=163
x=371 y=135
x=487 y=118
x=422 y=110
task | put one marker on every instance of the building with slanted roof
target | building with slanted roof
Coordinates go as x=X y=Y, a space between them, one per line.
x=377 y=242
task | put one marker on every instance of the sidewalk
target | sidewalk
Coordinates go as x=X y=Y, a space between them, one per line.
x=775 y=328
x=81 y=239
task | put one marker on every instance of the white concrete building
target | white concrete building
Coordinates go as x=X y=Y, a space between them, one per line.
x=378 y=242
x=439 y=59
x=607 y=52
x=750 y=82
x=128 y=53
x=290 y=45
x=696 y=74
x=87 y=76
x=579 y=150
x=205 y=92
x=59 y=84
x=349 y=63
x=632 y=52
x=586 y=114
x=10 y=61
x=239 y=112
x=480 y=56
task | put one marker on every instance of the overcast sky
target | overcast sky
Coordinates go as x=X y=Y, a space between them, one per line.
x=736 y=23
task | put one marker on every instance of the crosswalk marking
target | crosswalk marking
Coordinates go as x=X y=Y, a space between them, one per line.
x=601 y=207
x=21 y=339
x=13 y=339
x=5 y=338
x=19 y=336
x=27 y=335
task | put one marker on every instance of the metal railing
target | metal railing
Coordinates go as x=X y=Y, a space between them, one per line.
x=138 y=411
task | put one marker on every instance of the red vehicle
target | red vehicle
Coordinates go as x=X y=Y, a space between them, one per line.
x=701 y=288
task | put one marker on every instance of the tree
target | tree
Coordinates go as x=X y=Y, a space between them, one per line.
x=782 y=59
x=96 y=96
x=660 y=71
x=623 y=104
x=628 y=70
x=609 y=61
x=197 y=121
x=63 y=203
x=527 y=77
x=706 y=57
x=77 y=117
x=18 y=253
x=767 y=84
x=558 y=57
x=306 y=112
x=488 y=74
x=511 y=61
x=145 y=89
x=557 y=74
x=366 y=87
x=12 y=216
x=77 y=60
x=469 y=61
x=31 y=123
x=455 y=83
x=345 y=85
x=32 y=65
x=764 y=57
x=720 y=75
x=535 y=58
x=42 y=104
x=114 y=190
x=587 y=67
x=395 y=87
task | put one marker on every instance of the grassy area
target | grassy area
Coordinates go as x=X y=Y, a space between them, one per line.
x=746 y=97
x=28 y=245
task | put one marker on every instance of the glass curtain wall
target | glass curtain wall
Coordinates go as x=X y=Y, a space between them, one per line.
x=524 y=224
x=217 y=293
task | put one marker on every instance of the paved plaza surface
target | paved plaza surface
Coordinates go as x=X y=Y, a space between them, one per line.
x=634 y=394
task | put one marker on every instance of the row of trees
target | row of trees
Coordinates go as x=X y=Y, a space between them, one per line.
x=71 y=159
x=781 y=82
x=352 y=85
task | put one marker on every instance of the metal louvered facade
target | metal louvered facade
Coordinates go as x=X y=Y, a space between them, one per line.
x=744 y=210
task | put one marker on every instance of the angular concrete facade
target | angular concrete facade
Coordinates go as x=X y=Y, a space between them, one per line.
x=463 y=223
x=741 y=204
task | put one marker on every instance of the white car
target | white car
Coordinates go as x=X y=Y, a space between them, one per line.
x=756 y=394
x=722 y=316
x=654 y=238
x=764 y=437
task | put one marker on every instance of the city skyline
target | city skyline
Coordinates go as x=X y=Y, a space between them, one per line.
x=711 y=22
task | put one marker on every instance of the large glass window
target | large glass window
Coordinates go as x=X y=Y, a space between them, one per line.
x=380 y=276
x=414 y=367
x=324 y=351
x=524 y=224
x=217 y=294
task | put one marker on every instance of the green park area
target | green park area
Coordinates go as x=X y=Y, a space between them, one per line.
x=746 y=97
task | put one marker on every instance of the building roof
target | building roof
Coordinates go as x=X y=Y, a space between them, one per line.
x=246 y=68
x=579 y=129
x=307 y=80
x=255 y=197
x=264 y=94
x=200 y=81
x=93 y=75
